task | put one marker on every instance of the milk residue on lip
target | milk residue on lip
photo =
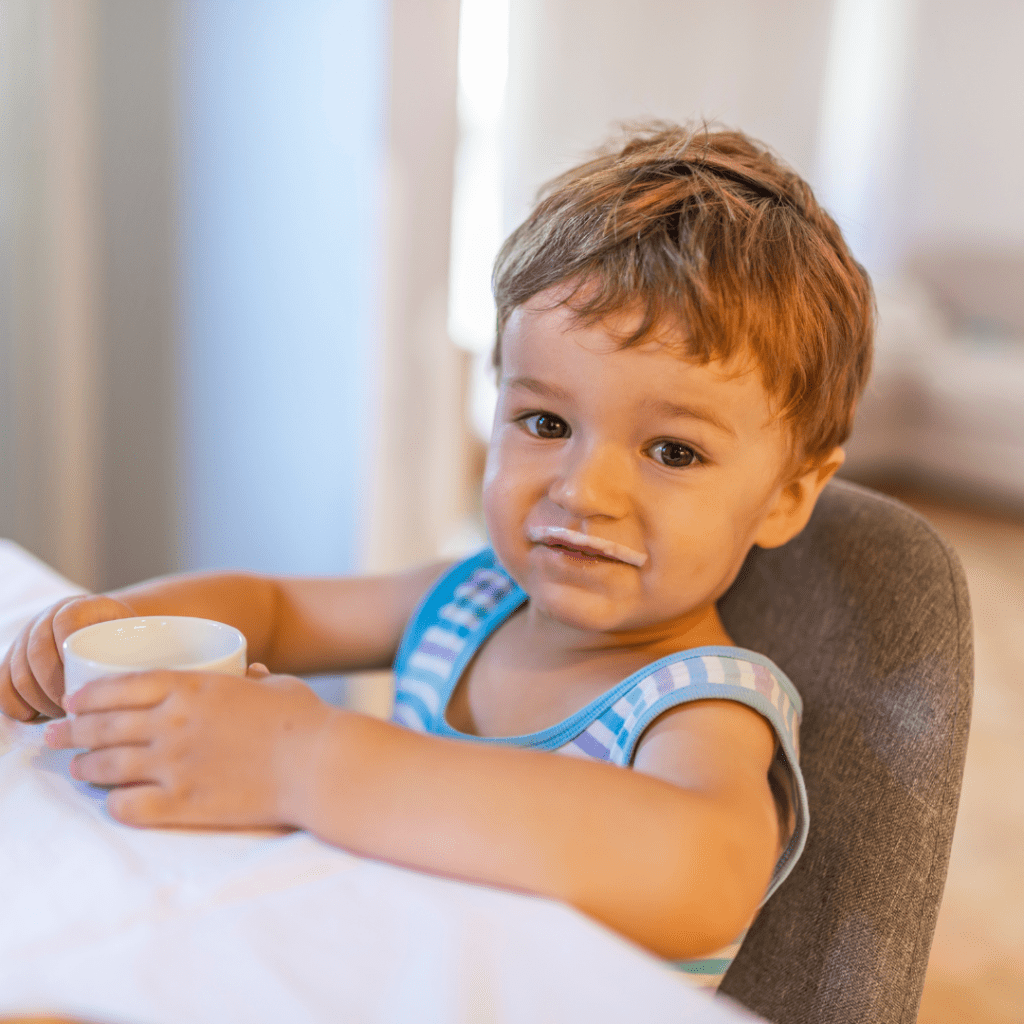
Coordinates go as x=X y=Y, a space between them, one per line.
x=609 y=548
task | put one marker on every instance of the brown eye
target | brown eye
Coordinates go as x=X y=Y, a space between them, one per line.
x=547 y=426
x=675 y=454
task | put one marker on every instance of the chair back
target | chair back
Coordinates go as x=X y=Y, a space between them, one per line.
x=867 y=612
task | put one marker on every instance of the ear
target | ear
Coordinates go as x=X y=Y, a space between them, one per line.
x=796 y=500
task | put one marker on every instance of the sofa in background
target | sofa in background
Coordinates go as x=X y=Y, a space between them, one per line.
x=944 y=410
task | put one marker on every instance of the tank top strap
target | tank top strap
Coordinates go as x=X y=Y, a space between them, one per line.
x=465 y=605
x=722 y=673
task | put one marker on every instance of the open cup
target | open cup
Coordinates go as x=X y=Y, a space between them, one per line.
x=159 y=641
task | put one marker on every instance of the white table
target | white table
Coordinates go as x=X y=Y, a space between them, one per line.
x=120 y=925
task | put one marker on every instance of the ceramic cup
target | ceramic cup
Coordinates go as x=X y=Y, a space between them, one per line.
x=158 y=641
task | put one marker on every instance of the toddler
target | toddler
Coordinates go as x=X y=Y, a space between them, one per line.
x=682 y=336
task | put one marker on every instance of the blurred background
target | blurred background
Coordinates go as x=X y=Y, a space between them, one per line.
x=244 y=305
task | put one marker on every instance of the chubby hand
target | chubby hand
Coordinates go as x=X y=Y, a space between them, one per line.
x=32 y=671
x=194 y=748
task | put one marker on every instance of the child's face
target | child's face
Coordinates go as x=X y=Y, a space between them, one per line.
x=683 y=464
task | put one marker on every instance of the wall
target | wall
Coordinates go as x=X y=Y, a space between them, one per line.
x=199 y=357
x=926 y=112
x=577 y=66
x=418 y=436
x=282 y=161
x=88 y=285
x=136 y=287
x=967 y=124
x=50 y=282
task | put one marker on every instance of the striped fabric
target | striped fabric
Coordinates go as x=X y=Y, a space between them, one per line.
x=475 y=597
x=613 y=736
x=424 y=670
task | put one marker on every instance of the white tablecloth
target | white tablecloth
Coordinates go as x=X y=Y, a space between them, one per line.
x=172 y=927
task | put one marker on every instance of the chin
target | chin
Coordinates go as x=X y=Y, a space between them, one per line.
x=578 y=610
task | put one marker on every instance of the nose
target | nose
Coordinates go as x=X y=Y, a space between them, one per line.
x=592 y=481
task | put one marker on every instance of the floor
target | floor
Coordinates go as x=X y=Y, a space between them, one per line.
x=976 y=971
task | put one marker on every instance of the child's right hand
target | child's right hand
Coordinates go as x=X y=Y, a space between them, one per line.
x=32 y=671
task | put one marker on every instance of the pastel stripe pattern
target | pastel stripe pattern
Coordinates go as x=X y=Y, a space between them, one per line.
x=427 y=670
x=473 y=599
x=613 y=736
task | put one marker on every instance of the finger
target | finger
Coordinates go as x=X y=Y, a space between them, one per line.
x=113 y=766
x=143 y=806
x=257 y=670
x=43 y=659
x=25 y=684
x=102 y=729
x=11 y=702
x=85 y=611
x=58 y=734
x=131 y=691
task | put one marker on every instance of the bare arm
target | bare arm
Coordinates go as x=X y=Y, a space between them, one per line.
x=679 y=868
x=291 y=624
x=295 y=624
x=675 y=854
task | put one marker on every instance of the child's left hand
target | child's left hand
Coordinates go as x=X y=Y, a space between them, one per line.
x=192 y=748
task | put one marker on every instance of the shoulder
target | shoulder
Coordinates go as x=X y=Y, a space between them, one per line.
x=721 y=705
x=460 y=600
x=743 y=680
x=477 y=583
x=726 y=724
x=707 y=745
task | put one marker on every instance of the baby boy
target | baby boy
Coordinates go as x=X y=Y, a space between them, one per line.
x=682 y=338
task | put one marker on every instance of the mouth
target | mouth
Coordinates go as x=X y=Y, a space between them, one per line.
x=583 y=546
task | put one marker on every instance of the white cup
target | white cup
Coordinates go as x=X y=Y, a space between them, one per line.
x=159 y=641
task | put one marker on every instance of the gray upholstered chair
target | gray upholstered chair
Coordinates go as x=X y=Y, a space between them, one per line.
x=867 y=612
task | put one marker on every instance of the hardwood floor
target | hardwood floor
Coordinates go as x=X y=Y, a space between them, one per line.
x=976 y=970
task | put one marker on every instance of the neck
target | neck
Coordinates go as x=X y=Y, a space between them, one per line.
x=701 y=628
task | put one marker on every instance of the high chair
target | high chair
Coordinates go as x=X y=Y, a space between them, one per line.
x=867 y=612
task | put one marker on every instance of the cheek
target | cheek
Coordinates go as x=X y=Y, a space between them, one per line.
x=493 y=463
x=511 y=472
x=491 y=509
x=715 y=526
x=498 y=495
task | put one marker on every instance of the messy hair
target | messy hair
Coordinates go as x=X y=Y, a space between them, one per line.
x=708 y=233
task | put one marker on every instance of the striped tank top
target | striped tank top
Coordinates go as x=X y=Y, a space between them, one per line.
x=476 y=596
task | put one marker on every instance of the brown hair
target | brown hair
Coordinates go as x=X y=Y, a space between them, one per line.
x=709 y=232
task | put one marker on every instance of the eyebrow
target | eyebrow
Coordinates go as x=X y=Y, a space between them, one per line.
x=539 y=387
x=690 y=412
x=660 y=407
